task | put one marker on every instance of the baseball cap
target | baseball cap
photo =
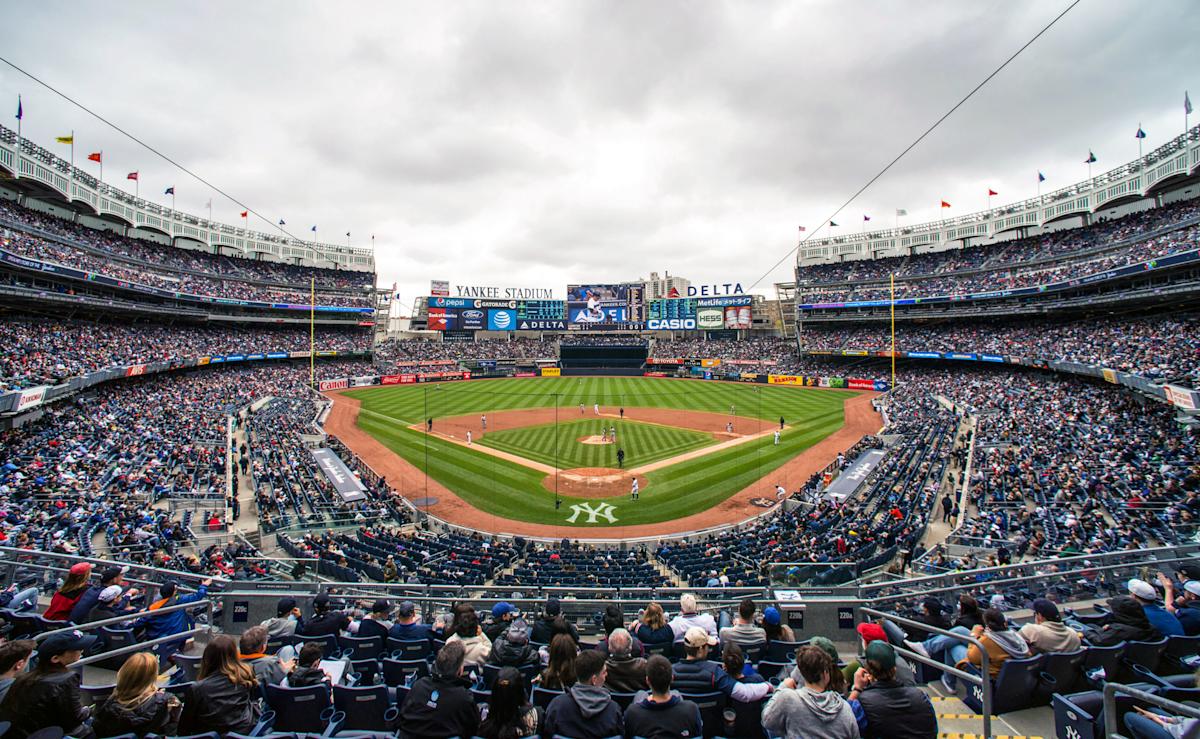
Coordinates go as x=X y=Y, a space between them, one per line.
x=871 y=632
x=553 y=607
x=381 y=606
x=1141 y=589
x=1192 y=586
x=1045 y=608
x=698 y=637
x=80 y=568
x=112 y=573
x=285 y=605
x=167 y=589
x=826 y=646
x=64 y=642
x=771 y=616
x=406 y=609
x=1190 y=570
x=881 y=652
x=111 y=593
x=500 y=610
x=321 y=601
x=932 y=604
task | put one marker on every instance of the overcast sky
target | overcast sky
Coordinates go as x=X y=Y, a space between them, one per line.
x=542 y=143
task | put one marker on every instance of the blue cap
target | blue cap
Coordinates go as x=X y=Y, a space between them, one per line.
x=500 y=610
x=772 y=616
x=66 y=641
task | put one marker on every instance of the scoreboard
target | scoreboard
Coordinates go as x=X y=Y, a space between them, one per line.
x=541 y=310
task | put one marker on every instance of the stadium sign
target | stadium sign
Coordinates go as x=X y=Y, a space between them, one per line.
x=704 y=291
x=671 y=324
x=547 y=325
x=436 y=302
x=509 y=293
x=439 y=287
x=726 y=302
x=31 y=397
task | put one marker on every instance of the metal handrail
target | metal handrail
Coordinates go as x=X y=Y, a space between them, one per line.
x=983 y=679
x=142 y=646
x=206 y=604
x=1110 y=706
x=11 y=555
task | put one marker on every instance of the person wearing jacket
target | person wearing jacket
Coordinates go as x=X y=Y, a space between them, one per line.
x=1160 y=618
x=1047 y=633
x=551 y=622
x=377 y=622
x=1001 y=643
x=408 y=626
x=109 y=577
x=286 y=621
x=325 y=620
x=175 y=622
x=441 y=704
x=106 y=607
x=652 y=627
x=224 y=697
x=696 y=674
x=502 y=616
x=690 y=617
x=586 y=710
x=662 y=714
x=307 y=671
x=512 y=648
x=267 y=668
x=1129 y=623
x=889 y=709
x=475 y=644
x=137 y=706
x=626 y=673
x=68 y=595
x=48 y=695
x=810 y=711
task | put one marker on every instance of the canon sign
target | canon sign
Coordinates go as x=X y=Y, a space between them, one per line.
x=676 y=324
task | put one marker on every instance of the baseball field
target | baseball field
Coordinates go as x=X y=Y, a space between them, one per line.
x=691 y=445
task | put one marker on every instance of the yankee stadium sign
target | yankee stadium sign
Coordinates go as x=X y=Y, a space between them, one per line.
x=507 y=293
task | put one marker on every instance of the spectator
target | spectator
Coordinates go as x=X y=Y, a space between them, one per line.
x=689 y=617
x=512 y=647
x=1001 y=643
x=809 y=710
x=468 y=631
x=743 y=632
x=774 y=628
x=308 y=670
x=69 y=594
x=441 y=704
x=662 y=714
x=969 y=614
x=14 y=656
x=735 y=663
x=408 y=627
x=325 y=621
x=869 y=632
x=585 y=711
x=891 y=709
x=1047 y=632
x=626 y=673
x=48 y=695
x=175 y=622
x=1187 y=607
x=376 y=622
x=137 y=705
x=502 y=616
x=267 y=668
x=837 y=681
x=1159 y=617
x=1129 y=623
x=560 y=668
x=224 y=697
x=106 y=605
x=508 y=714
x=652 y=627
x=550 y=622
x=110 y=577
x=933 y=614
x=695 y=674
x=286 y=621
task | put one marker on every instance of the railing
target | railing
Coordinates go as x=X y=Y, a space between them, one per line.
x=140 y=646
x=1110 y=706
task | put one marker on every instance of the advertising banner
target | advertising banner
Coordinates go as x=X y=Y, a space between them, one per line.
x=524 y=374
x=134 y=370
x=339 y=475
x=671 y=314
x=654 y=373
x=671 y=324
x=822 y=382
x=439 y=287
x=277 y=355
x=837 y=382
x=723 y=302
x=551 y=372
x=710 y=363
x=1109 y=376
x=738 y=317
x=504 y=319
x=710 y=318
x=881 y=386
x=1182 y=397
x=854 y=353
x=389 y=380
x=472 y=319
x=31 y=397
x=749 y=377
x=785 y=380
x=300 y=355
x=855 y=383
x=923 y=355
x=363 y=381
x=664 y=360
x=437 y=319
x=339 y=384
x=551 y=324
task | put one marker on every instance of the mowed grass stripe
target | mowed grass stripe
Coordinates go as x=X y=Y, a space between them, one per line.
x=643 y=443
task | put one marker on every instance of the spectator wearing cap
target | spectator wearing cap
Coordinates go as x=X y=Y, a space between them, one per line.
x=377 y=622
x=932 y=613
x=502 y=616
x=810 y=710
x=287 y=620
x=585 y=710
x=744 y=632
x=440 y=704
x=325 y=620
x=689 y=616
x=774 y=627
x=552 y=622
x=1187 y=606
x=109 y=577
x=663 y=713
x=1158 y=616
x=512 y=648
x=870 y=632
x=697 y=674
x=408 y=626
x=1047 y=633
x=159 y=625
x=106 y=606
x=69 y=594
x=48 y=695
x=889 y=708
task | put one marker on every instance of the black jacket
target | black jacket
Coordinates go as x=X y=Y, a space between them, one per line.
x=52 y=700
x=323 y=624
x=1129 y=623
x=543 y=630
x=303 y=677
x=583 y=712
x=151 y=716
x=896 y=711
x=671 y=720
x=512 y=652
x=451 y=713
x=216 y=704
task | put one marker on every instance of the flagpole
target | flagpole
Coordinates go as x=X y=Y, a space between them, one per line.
x=312 y=332
x=71 y=195
x=102 y=166
x=1141 y=162
x=893 y=302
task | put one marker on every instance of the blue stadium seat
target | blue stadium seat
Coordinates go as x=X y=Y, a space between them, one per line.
x=712 y=711
x=398 y=672
x=406 y=650
x=366 y=709
x=356 y=648
x=1012 y=690
x=1062 y=672
x=300 y=709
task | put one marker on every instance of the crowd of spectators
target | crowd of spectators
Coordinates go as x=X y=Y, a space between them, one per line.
x=603 y=340
x=769 y=349
x=400 y=355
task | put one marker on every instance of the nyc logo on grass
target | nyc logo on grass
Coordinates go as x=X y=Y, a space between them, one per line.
x=602 y=510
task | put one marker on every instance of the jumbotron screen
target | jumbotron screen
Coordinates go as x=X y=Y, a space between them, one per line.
x=600 y=307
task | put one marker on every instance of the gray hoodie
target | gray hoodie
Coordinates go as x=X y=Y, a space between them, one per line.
x=280 y=626
x=1011 y=642
x=804 y=712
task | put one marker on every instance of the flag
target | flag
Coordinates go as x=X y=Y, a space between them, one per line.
x=1091 y=157
x=992 y=192
x=802 y=229
x=282 y=222
x=169 y=191
x=314 y=229
x=866 y=217
x=945 y=204
x=1041 y=177
x=21 y=110
x=347 y=234
x=131 y=176
x=65 y=139
x=832 y=224
x=1187 y=105
x=245 y=214
x=901 y=212
x=1140 y=134
x=95 y=156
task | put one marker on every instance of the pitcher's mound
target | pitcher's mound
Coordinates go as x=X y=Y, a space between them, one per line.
x=595 y=439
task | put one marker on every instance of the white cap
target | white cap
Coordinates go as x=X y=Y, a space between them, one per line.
x=111 y=593
x=1141 y=589
x=1192 y=586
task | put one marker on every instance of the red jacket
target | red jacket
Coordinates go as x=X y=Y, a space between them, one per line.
x=61 y=605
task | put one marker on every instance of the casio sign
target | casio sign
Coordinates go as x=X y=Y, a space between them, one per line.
x=671 y=323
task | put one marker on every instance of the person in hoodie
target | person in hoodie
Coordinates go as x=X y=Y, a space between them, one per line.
x=586 y=710
x=662 y=714
x=1047 y=633
x=286 y=621
x=307 y=671
x=108 y=578
x=888 y=709
x=1001 y=643
x=468 y=631
x=441 y=705
x=512 y=648
x=810 y=710
x=137 y=705
x=1129 y=623
x=175 y=622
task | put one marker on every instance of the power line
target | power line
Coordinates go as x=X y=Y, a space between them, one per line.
x=918 y=140
x=143 y=144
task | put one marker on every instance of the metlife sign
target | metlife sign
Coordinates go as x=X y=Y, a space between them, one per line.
x=732 y=300
x=671 y=324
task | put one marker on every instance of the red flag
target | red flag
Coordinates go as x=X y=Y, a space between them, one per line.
x=992 y=192
x=945 y=204
x=245 y=214
x=131 y=176
x=94 y=157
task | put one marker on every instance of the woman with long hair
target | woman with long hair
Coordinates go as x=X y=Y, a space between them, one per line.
x=137 y=706
x=48 y=695
x=652 y=628
x=68 y=595
x=467 y=630
x=560 y=671
x=509 y=715
x=225 y=696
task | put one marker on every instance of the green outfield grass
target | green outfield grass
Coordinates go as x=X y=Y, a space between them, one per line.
x=643 y=443
x=511 y=490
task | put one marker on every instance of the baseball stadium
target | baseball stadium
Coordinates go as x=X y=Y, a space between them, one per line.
x=932 y=476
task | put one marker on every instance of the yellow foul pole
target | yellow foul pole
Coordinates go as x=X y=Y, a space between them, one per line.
x=893 y=330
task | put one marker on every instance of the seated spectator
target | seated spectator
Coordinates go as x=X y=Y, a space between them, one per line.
x=112 y=576
x=773 y=626
x=932 y=613
x=376 y=623
x=106 y=606
x=809 y=710
x=744 y=632
x=890 y=708
x=1128 y=623
x=14 y=657
x=1047 y=632
x=69 y=594
x=662 y=714
x=586 y=710
x=286 y=621
x=869 y=632
x=560 y=667
x=307 y=670
x=441 y=704
x=652 y=628
x=176 y=622
x=551 y=622
x=267 y=668
x=969 y=613
x=1187 y=606
x=689 y=617
x=325 y=621
x=502 y=616
x=735 y=663
x=512 y=648
x=48 y=695
x=408 y=626
x=696 y=674
x=137 y=705
x=1158 y=616
x=1001 y=642
x=837 y=682
x=467 y=630
x=508 y=714
x=626 y=673
x=225 y=696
